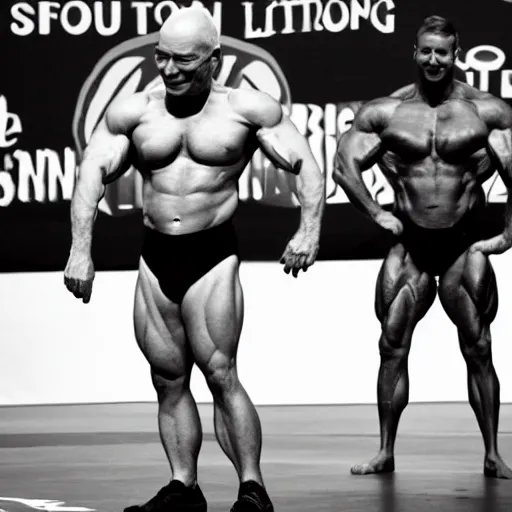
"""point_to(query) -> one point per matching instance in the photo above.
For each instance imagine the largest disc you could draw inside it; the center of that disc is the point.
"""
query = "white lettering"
(288, 17)
(388, 26)
(506, 83)
(478, 59)
(217, 16)
(46, 14)
(142, 16)
(359, 11)
(345, 120)
(317, 136)
(42, 178)
(20, 13)
(250, 32)
(10, 125)
(171, 6)
(330, 140)
(85, 18)
(327, 20)
(115, 18)
(7, 188)
(30, 175)
(335, 16)
(76, 17)
(48, 505)
(59, 180)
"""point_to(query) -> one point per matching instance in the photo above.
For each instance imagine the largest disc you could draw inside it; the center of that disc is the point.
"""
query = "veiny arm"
(497, 114)
(358, 150)
(289, 150)
(105, 159)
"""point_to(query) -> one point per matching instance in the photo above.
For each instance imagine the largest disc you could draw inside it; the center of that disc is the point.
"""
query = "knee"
(476, 348)
(220, 374)
(393, 347)
(393, 342)
(169, 387)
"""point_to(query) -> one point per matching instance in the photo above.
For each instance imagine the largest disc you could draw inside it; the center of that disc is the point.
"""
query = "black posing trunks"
(435, 250)
(178, 261)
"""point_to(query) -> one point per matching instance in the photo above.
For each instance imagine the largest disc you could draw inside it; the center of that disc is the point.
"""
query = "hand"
(300, 253)
(79, 275)
(495, 245)
(388, 221)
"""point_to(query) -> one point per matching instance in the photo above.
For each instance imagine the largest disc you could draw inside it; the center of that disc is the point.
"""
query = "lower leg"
(392, 397)
(237, 425)
(180, 427)
(484, 398)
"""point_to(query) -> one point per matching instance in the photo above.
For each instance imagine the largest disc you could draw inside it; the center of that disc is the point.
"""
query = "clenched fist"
(79, 275)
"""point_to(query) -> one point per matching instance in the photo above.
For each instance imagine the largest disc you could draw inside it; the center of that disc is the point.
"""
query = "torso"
(436, 158)
(190, 166)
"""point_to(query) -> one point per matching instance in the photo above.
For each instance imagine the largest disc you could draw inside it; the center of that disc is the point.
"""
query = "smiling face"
(435, 56)
(187, 52)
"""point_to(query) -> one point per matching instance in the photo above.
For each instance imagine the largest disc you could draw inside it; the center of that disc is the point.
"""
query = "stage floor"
(106, 457)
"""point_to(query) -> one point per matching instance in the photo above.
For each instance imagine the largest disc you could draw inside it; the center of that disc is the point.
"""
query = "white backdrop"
(311, 340)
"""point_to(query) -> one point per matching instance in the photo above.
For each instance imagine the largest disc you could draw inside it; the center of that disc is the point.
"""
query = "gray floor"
(105, 457)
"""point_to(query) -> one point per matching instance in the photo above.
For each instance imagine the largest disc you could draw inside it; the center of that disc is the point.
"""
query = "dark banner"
(64, 62)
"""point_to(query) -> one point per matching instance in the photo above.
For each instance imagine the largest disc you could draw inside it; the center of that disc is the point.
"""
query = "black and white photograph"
(256, 256)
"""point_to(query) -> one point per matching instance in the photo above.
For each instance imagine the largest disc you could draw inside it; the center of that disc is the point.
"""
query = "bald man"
(191, 141)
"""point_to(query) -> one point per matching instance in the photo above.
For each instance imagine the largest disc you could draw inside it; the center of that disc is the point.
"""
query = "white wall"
(306, 340)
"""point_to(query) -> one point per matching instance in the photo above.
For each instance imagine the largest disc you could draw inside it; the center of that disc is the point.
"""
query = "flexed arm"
(500, 146)
(358, 150)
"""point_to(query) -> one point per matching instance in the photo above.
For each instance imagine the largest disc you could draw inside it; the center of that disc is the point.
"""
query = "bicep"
(106, 151)
(360, 147)
(287, 133)
(287, 147)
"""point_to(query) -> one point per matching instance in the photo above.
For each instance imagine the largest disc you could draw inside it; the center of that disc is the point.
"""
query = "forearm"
(311, 196)
(349, 178)
(88, 192)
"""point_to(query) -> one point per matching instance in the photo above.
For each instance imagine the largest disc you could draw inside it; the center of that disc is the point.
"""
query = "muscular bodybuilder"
(436, 141)
(191, 141)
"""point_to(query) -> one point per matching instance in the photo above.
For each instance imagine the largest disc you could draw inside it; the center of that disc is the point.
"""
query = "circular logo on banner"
(129, 68)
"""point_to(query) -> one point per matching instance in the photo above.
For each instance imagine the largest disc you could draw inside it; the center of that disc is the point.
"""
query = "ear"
(414, 49)
(216, 58)
(217, 54)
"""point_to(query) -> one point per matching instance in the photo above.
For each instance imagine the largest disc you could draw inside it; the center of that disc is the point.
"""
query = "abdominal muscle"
(186, 197)
(436, 195)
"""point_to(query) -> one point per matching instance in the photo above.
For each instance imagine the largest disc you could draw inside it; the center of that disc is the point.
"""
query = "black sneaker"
(174, 497)
(252, 497)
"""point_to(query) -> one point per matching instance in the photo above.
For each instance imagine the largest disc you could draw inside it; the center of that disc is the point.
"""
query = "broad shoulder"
(494, 112)
(123, 114)
(256, 107)
(406, 92)
(374, 115)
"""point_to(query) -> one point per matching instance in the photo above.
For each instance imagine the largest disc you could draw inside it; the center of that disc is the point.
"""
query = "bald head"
(188, 52)
(191, 29)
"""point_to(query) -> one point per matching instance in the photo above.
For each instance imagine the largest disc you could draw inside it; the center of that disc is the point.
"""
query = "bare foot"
(382, 463)
(495, 467)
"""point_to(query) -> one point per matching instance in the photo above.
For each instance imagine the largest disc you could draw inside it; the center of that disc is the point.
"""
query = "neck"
(186, 106)
(435, 93)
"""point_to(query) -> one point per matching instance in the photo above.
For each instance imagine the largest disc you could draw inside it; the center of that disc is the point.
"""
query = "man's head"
(188, 51)
(436, 49)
